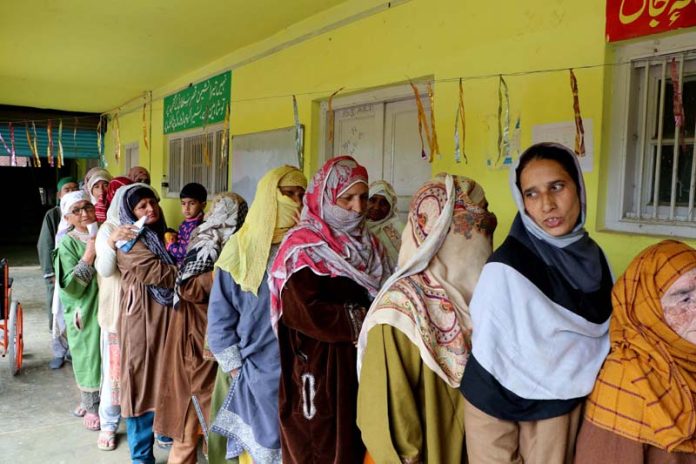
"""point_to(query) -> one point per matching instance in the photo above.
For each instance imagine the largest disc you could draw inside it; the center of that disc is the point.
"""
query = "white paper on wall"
(564, 133)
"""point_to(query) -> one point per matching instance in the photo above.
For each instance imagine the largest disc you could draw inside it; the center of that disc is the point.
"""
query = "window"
(132, 151)
(655, 164)
(189, 162)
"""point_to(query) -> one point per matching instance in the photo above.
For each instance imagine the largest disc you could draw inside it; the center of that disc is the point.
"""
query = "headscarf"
(388, 229)
(646, 390)
(225, 217)
(66, 203)
(245, 256)
(446, 242)
(330, 240)
(132, 173)
(95, 175)
(575, 255)
(151, 236)
(103, 203)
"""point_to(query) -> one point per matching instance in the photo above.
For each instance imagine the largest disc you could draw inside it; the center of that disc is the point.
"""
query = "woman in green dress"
(78, 291)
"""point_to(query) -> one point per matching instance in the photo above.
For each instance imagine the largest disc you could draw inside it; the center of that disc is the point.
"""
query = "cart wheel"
(15, 338)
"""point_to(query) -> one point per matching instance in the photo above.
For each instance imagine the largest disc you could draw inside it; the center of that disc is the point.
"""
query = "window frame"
(619, 188)
(215, 171)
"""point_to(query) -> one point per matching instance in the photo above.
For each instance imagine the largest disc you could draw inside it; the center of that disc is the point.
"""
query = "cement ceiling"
(84, 55)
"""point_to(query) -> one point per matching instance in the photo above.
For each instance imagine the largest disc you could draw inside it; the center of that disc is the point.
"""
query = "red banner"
(627, 19)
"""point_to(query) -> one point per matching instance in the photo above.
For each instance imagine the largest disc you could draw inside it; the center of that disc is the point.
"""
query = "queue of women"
(316, 327)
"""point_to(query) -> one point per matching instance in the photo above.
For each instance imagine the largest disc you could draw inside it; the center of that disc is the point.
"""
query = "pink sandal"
(91, 421)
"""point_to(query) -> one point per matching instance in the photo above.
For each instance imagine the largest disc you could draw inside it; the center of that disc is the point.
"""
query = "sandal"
(107, 440)
(79, 411)
(91, 421)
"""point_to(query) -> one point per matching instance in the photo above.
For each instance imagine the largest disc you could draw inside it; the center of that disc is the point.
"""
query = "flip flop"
(107, 440)
(91, 421)
(79, 411)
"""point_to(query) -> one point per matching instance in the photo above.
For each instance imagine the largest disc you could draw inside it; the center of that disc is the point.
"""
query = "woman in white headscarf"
(383, 218)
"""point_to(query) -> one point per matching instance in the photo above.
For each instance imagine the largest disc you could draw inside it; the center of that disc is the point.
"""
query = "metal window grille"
(660, 162)
(188, 161)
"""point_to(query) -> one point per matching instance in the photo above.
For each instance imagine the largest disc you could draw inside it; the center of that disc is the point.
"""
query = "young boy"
(193, 198)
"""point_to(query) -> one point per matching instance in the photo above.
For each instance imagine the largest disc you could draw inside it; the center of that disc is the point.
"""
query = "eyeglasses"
(88, 208)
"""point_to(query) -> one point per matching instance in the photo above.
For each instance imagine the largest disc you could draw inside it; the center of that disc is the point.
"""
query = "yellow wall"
(442, 39)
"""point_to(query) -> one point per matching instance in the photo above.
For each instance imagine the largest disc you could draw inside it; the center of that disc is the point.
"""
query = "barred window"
(197, 157)
(655, 162)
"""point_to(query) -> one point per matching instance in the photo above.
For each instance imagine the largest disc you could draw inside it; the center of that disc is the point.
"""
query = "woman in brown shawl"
(328, 269)
(189, 374)
(148, 274)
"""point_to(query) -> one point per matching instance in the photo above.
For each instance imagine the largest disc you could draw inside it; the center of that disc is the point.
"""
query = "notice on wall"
(627, 19)
(564, 133)
(198, 105)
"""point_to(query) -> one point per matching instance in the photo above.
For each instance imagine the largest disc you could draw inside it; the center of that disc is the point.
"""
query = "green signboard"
(198, 105)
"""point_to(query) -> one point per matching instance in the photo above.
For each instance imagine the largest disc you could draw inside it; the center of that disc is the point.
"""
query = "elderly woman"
(190, 374)
(78, 291)
(328, 269)
(239, 322)
(148, 274)
(383, 218)
(642, 408)
(416, 337)
(540, 315)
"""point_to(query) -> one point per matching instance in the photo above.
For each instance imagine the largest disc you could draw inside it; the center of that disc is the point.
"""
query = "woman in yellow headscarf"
(239, 325)
(642, 408)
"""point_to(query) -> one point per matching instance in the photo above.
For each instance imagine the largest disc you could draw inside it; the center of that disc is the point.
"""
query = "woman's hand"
(125, 232)
(90, 252)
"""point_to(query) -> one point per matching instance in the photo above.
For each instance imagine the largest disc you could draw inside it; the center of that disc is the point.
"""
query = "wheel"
(15, 339)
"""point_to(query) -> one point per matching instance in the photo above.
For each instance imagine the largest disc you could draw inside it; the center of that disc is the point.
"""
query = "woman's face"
(354, 199)
(295, 193)
(377, 208)
(81, 214)
(147, 207)
(550, 196)
(679, 305)
(99, 188)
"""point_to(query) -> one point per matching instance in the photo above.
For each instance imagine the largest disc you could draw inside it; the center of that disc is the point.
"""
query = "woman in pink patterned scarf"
(328, 269)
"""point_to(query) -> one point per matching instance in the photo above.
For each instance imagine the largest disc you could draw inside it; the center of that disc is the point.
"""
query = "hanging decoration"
(117, 139)
(423, 126)
(332, 116)
(298, 133)
(503, 120)
(36, 161)
(225, 136)
(460, 137)
(100, 144)
(145, 140)
(49, 143)
(677, 104)
(13, 156)
(61, 154)
(35, 144)
(74, 138)
(579, 128)
(7, 149)
(434, 146)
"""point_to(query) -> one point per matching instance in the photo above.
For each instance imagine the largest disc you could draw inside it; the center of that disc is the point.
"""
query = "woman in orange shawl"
(642, 408)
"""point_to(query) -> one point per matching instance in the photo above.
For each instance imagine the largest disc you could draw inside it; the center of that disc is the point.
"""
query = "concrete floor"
(36, 425)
